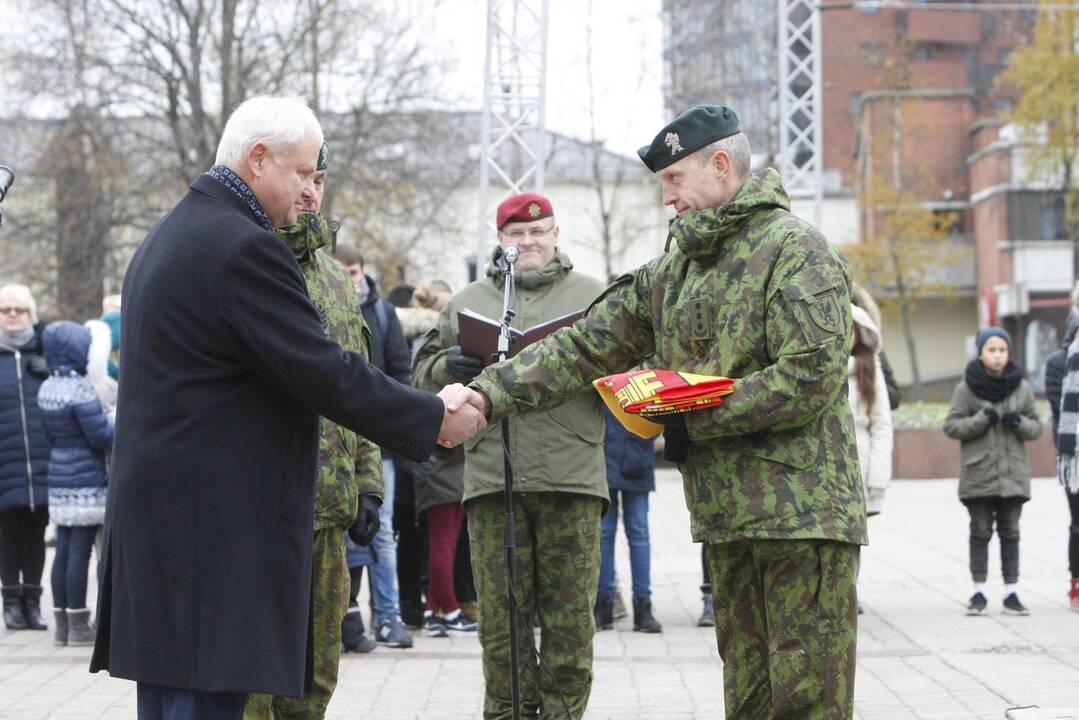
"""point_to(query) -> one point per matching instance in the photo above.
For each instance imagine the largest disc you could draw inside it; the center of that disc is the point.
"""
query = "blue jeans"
(384, 571)
(635, 521)
(69, 567)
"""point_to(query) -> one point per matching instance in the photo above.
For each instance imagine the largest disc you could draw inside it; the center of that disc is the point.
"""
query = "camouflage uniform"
(751, 292)
(349, 466)
(560, 490)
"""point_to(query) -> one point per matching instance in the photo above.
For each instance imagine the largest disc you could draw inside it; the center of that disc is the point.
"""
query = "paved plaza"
(918, 655)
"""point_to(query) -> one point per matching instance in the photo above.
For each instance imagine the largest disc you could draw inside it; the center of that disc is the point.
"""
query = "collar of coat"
(550, 273)
(309, 233)
(701, 234)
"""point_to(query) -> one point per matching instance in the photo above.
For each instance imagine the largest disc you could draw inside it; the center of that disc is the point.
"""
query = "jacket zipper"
(25, 431)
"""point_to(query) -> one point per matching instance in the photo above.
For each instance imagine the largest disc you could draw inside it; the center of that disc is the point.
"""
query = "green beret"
(697, 127)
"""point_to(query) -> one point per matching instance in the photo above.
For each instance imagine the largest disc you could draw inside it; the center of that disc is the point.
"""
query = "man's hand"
(1011, 420)
(365, 528)
(462, 419)
(461, 366)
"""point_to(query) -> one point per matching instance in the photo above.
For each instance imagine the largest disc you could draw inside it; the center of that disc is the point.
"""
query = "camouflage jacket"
(751, 292)
(349, 465)
(556, 451)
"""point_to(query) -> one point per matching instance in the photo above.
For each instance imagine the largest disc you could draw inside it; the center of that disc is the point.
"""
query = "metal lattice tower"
(801, 126)
(515, 85)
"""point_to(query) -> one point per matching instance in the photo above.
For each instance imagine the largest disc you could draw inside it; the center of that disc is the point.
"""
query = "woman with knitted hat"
(992, 415)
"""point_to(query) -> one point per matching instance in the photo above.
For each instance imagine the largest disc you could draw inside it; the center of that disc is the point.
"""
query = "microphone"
(510, 254)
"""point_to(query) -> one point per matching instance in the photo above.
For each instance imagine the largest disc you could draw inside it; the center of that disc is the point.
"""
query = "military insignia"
(534, 210)
(700, 319)
(824, 311)
(673, 143)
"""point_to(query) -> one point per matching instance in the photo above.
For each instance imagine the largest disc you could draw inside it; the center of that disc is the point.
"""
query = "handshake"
(464, 416)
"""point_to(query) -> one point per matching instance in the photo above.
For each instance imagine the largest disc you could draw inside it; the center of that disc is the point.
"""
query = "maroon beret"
(525, 207)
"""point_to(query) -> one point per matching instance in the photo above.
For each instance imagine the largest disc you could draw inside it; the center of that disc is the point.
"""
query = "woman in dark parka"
(24, 457)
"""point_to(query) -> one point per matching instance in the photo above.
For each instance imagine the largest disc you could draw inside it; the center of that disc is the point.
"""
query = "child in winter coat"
(992, 415)
(79, 432)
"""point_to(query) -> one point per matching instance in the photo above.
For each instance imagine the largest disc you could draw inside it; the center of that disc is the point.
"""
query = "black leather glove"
(992, 415)
(675, 437)
(461, 366)
(1011, 420)
(38, 366)
(365, 528)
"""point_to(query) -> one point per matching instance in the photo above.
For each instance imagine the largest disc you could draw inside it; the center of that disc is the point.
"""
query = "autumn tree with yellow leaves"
(1046, 75)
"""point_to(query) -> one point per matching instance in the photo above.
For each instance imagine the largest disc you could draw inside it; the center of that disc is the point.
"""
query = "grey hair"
(737, 148)
(277, 122)
(22, 295)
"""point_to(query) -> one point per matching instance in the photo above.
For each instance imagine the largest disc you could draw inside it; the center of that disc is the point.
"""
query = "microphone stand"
(505, 338)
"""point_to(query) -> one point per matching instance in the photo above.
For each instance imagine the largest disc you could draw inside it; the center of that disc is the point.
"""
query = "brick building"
(909, 98)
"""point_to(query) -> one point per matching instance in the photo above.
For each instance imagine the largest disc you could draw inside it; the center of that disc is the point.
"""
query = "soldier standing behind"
(771, 477)
(559, 481)
(349, 470)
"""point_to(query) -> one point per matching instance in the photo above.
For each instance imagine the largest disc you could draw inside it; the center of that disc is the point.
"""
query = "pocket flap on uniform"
(812, 282)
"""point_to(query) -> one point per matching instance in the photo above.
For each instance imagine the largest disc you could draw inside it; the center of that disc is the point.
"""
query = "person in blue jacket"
(630, 477)
(24, 457)
(79, 432)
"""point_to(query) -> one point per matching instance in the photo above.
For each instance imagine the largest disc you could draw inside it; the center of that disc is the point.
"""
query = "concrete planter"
(921, 453)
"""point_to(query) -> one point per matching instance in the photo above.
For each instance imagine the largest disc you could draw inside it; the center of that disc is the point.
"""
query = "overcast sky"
(627, 60)
(627, 64)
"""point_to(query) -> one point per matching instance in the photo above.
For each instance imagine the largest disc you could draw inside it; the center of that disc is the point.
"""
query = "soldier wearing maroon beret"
(560, 485)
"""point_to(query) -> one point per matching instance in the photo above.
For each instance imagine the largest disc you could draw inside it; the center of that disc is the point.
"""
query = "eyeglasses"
(14, 311)
(533, 232)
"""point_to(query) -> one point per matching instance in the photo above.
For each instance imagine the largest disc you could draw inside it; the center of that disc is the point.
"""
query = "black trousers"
(411, 557)
(1073, 536)
(156, 702)
(22, 545)
(984, 513)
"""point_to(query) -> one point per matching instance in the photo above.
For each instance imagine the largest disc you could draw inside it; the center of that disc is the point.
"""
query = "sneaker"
(362, 644)
(434, 625)
(1012, 606)
(1073, 594)
(457, 623)
(392, 633)
(977, 604)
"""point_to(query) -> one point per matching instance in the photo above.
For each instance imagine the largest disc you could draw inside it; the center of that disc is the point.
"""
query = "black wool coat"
(226, 371)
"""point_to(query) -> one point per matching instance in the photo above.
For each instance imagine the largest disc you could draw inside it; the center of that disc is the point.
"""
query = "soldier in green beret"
(748, 291)
(349, 489)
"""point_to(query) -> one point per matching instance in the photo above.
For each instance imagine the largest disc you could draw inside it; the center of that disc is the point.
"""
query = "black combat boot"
(604, 612)
(14, 618)
(31, 607)
(643, 620)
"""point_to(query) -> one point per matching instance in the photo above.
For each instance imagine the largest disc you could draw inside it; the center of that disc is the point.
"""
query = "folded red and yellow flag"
(635, 396)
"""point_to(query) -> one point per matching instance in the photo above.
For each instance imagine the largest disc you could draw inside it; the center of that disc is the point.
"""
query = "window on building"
(1036, 215)
(1041, 342)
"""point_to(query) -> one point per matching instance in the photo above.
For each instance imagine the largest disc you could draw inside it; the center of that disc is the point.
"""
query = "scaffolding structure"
(513, 135)
(801, 124)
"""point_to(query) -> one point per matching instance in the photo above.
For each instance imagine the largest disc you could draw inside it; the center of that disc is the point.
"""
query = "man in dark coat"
(207, 587)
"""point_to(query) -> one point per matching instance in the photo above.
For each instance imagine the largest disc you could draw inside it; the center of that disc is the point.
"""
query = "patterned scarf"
(236, 184)
(1067, 460)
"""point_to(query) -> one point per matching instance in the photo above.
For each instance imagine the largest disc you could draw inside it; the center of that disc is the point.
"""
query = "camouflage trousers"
(786, 625)
(557, 564)
(331, 585)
